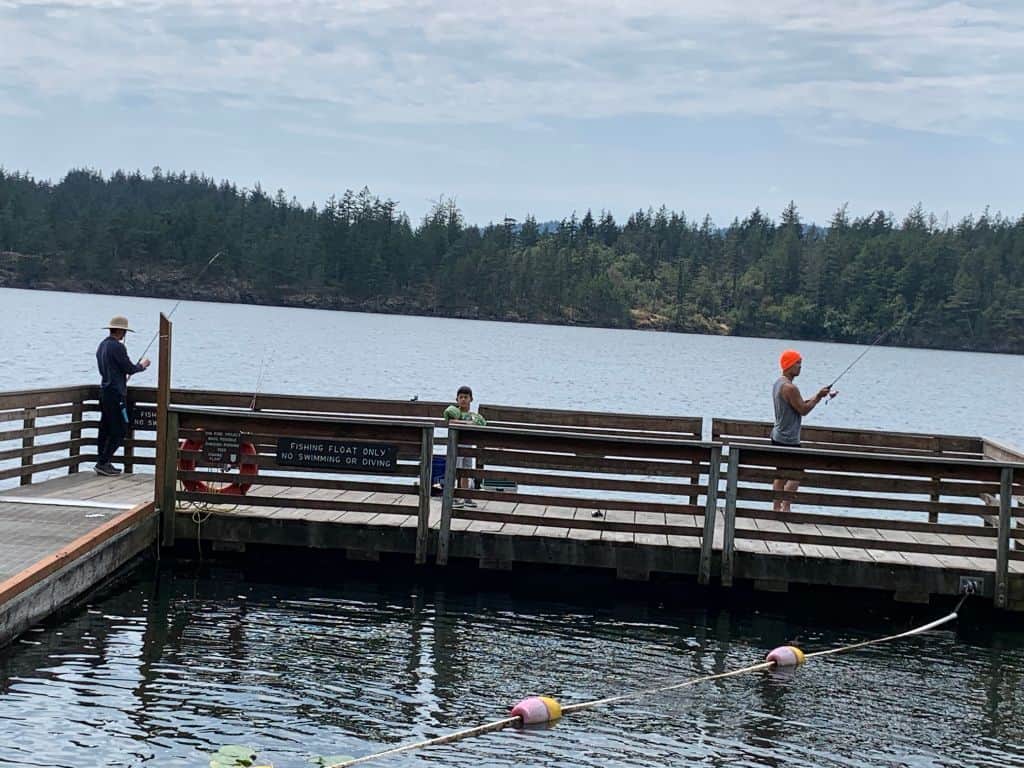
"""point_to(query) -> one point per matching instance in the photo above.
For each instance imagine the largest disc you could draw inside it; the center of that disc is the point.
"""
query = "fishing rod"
(264, 366)
(859, 357)
(175, 308)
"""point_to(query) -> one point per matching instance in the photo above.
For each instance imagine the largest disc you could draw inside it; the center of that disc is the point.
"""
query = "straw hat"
(119, 323)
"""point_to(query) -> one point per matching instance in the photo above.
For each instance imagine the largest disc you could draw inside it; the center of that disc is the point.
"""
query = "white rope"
(507, 722)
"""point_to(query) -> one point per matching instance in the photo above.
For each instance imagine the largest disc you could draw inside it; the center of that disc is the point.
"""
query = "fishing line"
(795, 657)
(175, 308)
(264, 367)
(870, 346)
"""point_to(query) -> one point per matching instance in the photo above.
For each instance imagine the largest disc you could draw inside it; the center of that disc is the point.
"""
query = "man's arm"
(125, 364)
(792, 396)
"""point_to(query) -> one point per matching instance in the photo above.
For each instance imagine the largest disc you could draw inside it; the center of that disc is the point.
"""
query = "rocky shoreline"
(168, 285)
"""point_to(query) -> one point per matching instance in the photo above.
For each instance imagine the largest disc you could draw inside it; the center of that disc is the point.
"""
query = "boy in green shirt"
(460, 412)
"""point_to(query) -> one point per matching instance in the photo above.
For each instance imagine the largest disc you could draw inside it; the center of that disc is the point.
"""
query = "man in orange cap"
(790, 408)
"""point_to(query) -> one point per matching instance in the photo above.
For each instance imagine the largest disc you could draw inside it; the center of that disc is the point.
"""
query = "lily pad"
(233, 756)
(322, 761)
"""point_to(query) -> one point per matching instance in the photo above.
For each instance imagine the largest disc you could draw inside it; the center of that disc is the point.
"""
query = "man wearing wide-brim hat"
(115, 368)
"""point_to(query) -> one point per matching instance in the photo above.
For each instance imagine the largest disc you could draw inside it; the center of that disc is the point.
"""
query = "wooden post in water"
(28, 442)
(444, 531)
(729, 533)
(423, 519)
(167, 499)
(710, 510)
(1003, 542)
(166, 438)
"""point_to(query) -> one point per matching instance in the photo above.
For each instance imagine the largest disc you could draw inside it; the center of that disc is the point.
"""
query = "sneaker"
(107, 469)
(470, 503)
(457, 502)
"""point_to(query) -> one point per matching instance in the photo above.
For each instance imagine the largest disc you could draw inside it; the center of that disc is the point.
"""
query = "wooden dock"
(908, 515)
(60, 538)
(641, 506)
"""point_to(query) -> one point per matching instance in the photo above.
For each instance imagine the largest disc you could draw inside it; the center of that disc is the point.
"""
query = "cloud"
(940, 67)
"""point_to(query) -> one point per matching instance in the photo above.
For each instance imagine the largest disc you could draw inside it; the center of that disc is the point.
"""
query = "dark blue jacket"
(115, 366)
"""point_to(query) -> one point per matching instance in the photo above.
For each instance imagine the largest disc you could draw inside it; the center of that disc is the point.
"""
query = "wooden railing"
(43, 431)
(407, 482)
(739, 432)
(680, 427)
(599, 423)
(644, 485)
(863, 441)
(882, 499)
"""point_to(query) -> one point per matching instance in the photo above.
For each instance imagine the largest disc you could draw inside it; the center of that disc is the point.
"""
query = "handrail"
(630, 438)
(271, 416)
(901, 458)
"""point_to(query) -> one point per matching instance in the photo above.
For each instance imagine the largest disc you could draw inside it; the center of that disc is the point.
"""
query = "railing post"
(77, 413)
(28, 442)
(1003, 542)
(695, 481)
(444, 531)
(163, 401)
(169, 480)
(935, 497)
(426, 471)
(710, 510)
(129, 449)
(729, 532)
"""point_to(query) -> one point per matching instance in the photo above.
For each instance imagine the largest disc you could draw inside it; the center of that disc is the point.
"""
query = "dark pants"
(113, 425)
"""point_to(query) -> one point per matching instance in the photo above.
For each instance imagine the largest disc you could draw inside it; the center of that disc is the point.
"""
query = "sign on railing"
(144, 418)
(340, 455)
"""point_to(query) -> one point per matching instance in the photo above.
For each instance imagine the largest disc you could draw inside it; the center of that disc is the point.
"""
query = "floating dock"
(909, 515)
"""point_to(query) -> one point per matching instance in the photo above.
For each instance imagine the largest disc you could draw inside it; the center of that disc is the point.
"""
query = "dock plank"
(619, 516)
(558, 515)
(651, 539)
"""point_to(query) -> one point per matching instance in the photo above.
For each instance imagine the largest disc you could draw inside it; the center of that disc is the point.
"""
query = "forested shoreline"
(959, 286)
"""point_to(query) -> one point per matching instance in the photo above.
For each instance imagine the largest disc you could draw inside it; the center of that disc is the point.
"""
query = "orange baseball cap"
(788, 359)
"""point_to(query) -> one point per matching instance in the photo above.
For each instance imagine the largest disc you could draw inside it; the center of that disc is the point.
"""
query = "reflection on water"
(165, 670)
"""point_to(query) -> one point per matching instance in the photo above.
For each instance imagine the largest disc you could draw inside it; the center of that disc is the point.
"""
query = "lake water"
(167, 667)
(165, 670)
(49, 339)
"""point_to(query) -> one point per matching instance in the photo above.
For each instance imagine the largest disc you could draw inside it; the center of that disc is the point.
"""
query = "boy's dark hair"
(464, 390)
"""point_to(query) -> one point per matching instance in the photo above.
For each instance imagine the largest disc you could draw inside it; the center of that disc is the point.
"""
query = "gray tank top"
(787, 420)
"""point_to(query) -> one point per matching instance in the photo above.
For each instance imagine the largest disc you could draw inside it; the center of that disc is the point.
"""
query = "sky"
(540, 108)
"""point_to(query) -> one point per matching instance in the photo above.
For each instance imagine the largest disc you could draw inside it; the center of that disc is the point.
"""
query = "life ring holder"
(251, 468)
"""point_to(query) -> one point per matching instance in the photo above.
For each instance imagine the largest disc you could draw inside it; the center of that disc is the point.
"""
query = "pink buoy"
(537, 709)
(786, 656)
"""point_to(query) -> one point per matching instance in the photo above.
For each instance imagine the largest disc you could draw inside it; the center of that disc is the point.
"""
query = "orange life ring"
(232, 489)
